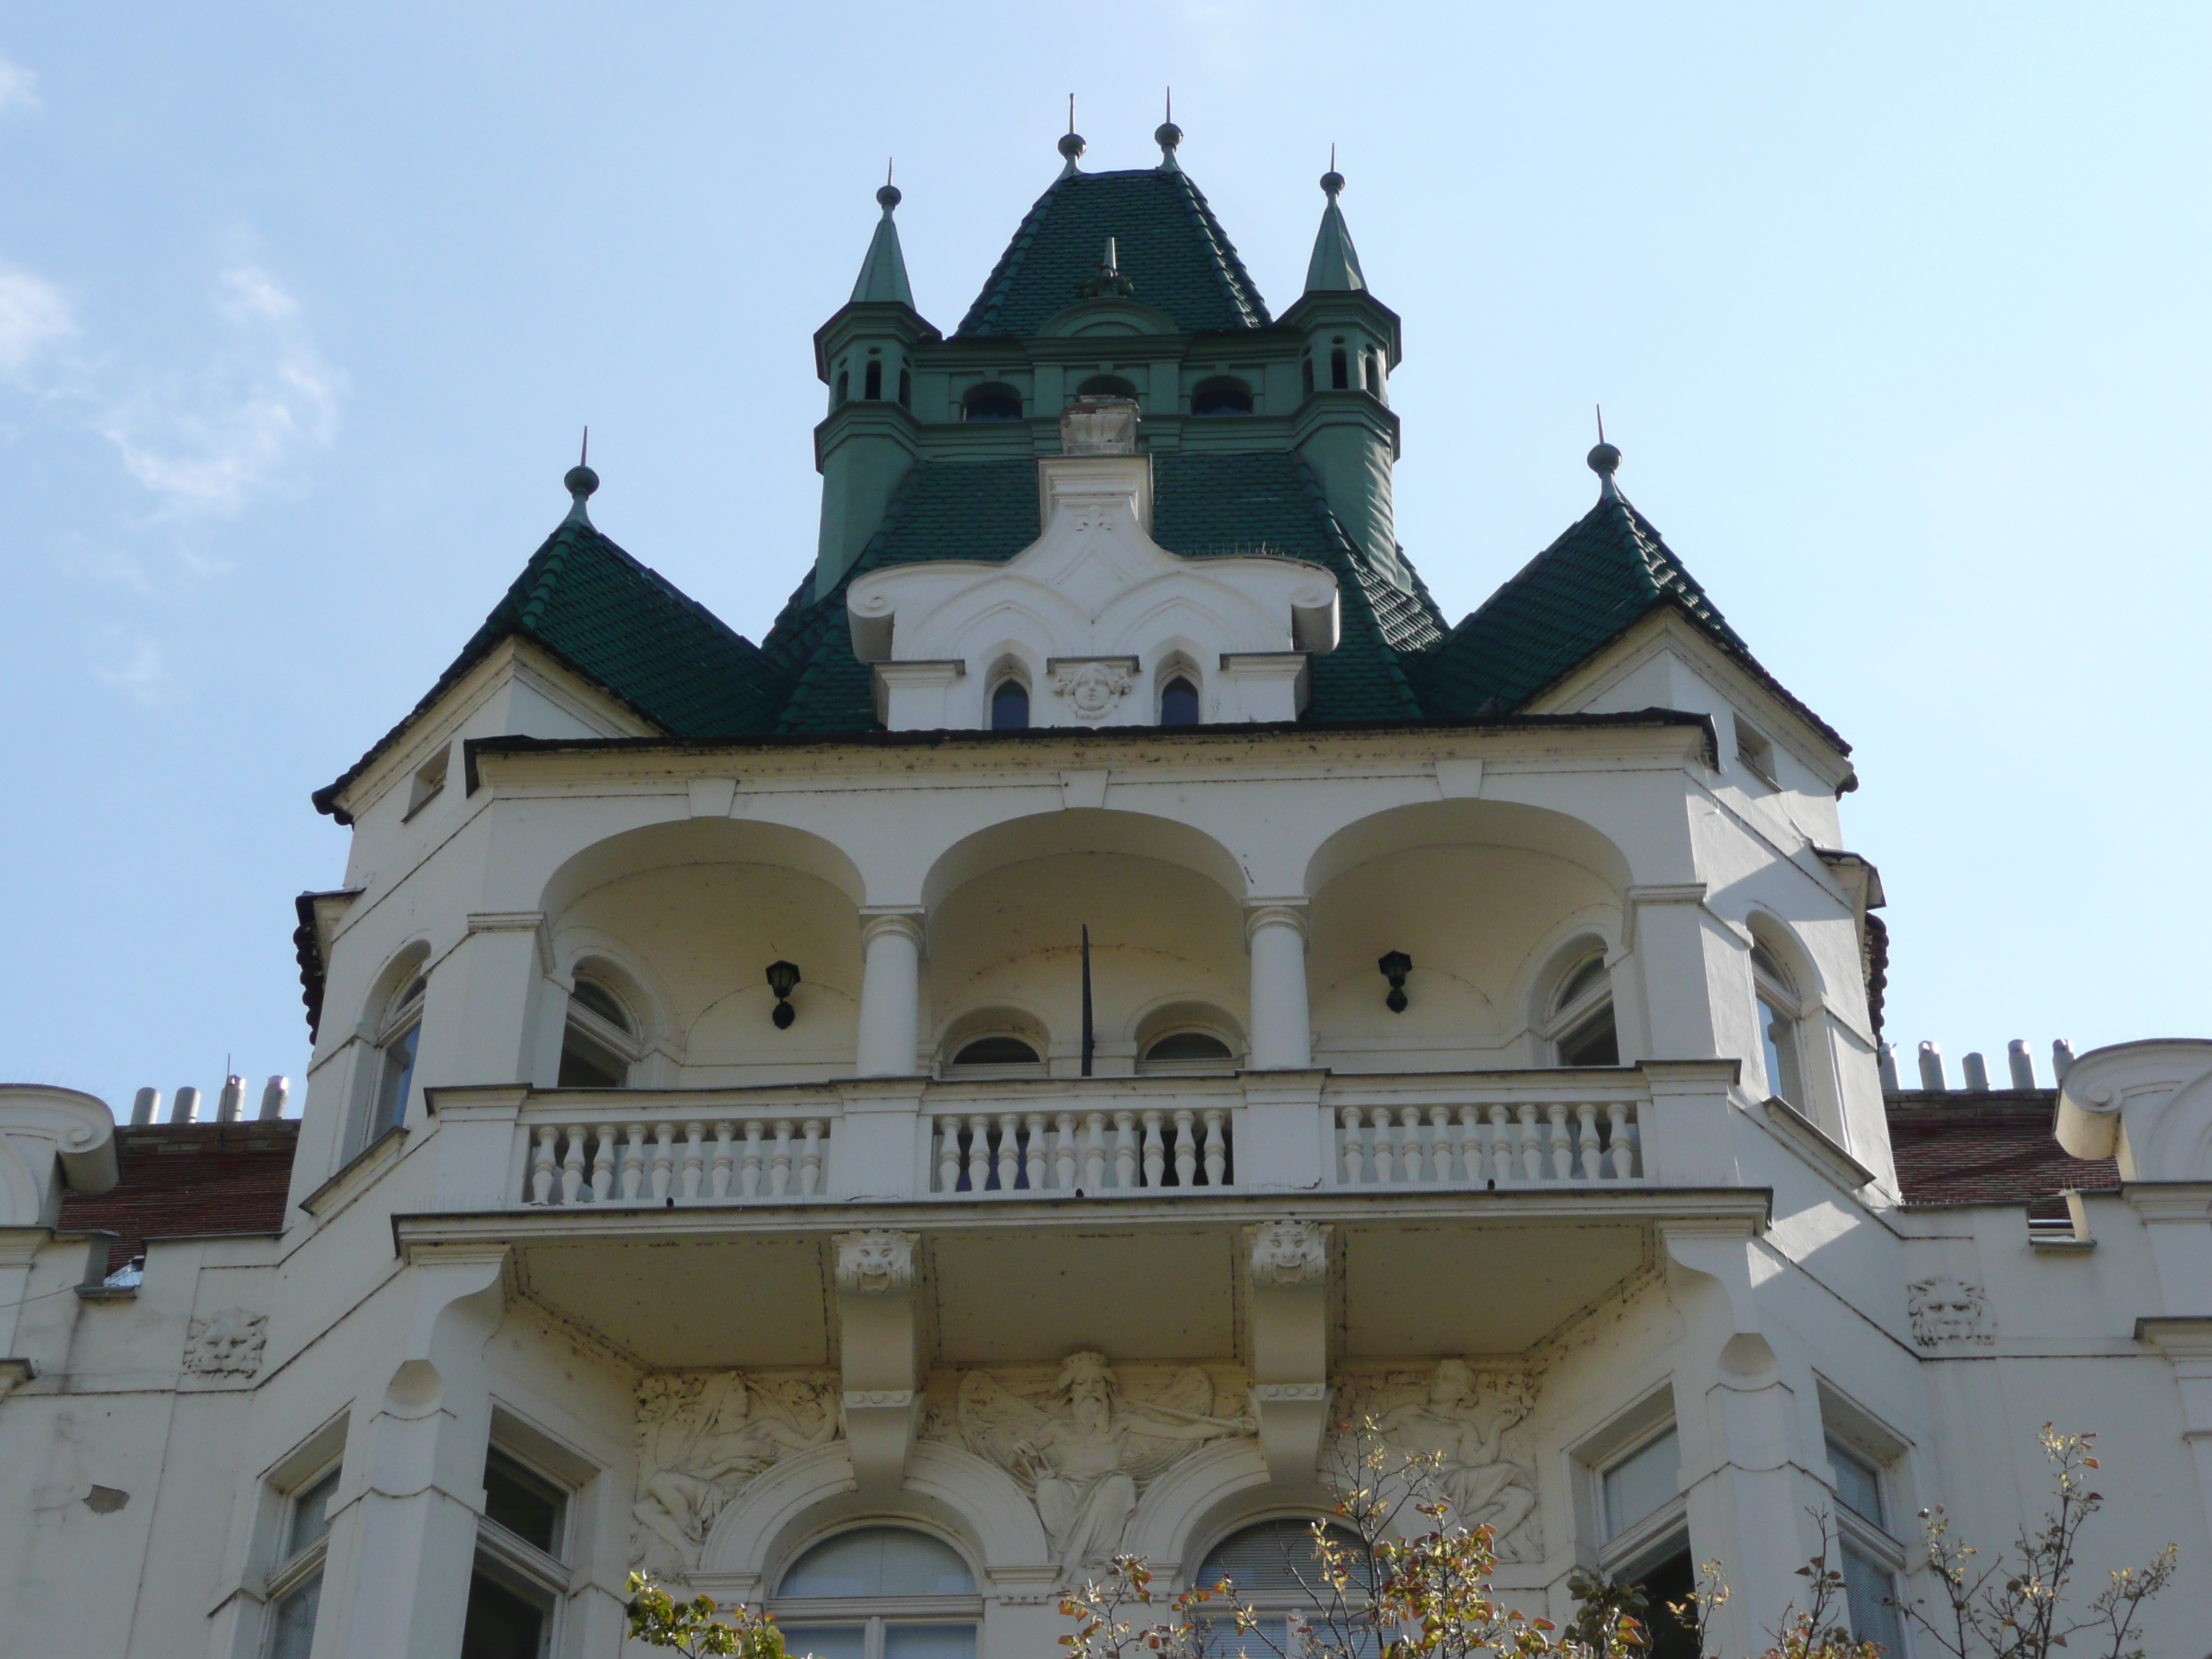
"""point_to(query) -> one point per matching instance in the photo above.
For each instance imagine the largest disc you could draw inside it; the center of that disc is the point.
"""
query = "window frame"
(1570, 1019)
(1019, 681)
(293, 1570)
(1179, 675)
(1269, 1602)
(1848, 1431)
(1224, 1065)
(1754, 753)
(627, 1046)
(1773, 987)
(403, 1017)
(873, 1613)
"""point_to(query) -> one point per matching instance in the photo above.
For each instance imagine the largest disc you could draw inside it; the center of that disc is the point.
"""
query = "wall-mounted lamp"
(1395, 967)
(783, 979)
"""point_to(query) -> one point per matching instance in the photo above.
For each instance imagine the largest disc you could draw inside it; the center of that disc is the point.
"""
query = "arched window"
(1107, 386)
(1221, 396)
(873, 384)
(1339, 370)
(398, 1035)
(999, 1050)
(1580, 1029)
(1375, 372)
(1305, 373)
(1010, 706)
(1776, 995)
(879, 1593)
(600, 1043)
(1278, 1568)
(1186, 1051)
(844, 389)
(992, 402)
(1179, 702)
(906, 388)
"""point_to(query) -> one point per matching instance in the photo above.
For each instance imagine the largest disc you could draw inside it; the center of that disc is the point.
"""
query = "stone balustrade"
(1486, 1143)
(709, 1158)
(1082, 1150)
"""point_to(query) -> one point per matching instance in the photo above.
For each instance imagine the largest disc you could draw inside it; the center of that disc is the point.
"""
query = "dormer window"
(1010, 706)
(1107, 386)
(992, 402)
(1178, 703)
(1221, 396)
(599, 1045)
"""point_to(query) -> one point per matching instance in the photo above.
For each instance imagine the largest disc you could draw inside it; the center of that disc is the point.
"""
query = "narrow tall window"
(599, 1044)
(844, 387)
(1581, 1030)
(1178, 703)
(1340, 371)
(1010, 707)
(295, 1587)
(1306, 373)
(1777, 998)
(396, 1043)
(1871, 1555)
(906, 388)
(879, 1593)
(1641, 1515)
(873, 383)
(1375, 372)
(520, 1576)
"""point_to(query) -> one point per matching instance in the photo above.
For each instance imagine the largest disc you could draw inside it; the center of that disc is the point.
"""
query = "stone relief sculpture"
(229, 1343)
(875, 1263)
(1469, 1424)
(1092, 688)
(1290, 1253)
(1084, 1449)
(1945, 1308)
(702, 1439)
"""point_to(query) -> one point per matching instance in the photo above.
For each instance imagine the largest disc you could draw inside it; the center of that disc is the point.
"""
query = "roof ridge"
(994, 295)
(1241, 288)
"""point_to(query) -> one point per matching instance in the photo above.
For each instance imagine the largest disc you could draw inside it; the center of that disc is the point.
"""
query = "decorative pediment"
(1094, 617)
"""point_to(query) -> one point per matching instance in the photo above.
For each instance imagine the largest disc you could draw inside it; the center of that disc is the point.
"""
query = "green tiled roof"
(1167, 242)
(1608, 570)
(1263, 502)
(624, 626)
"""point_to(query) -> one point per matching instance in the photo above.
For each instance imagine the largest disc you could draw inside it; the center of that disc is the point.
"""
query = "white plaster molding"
(1816, 1147)
(1091, 686)
(762, 1511)
(875, 1263)
(533, 922)
(1286, 1253)
(1183, 1500)
(899, 920)
(51, 1139)
(702, 1438)
(226, 1344)
(1469, 1423)
(1948, 1310)
(1293, 912)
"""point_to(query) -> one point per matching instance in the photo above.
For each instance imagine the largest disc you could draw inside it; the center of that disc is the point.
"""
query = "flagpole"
(1087, 1040)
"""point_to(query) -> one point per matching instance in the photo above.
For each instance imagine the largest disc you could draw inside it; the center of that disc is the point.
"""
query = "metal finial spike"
(1071, 112)
(1170, 114)
(1331, 158)
(584, 455)
(1600, 423)
(580, 481)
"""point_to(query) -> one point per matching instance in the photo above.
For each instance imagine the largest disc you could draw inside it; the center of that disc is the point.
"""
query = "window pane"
(1859, 1483)
(525, 1504)
(600, 1002)
(292, 1631)
(880, 1561)
(1670, 1582)
(1179, 703)
(309, 1522)
(1010, 707)
(1188, 1046)
(1588, 976)
(1642, 1483)
(1780, 1035)
(587, 1064)
(996, 1051)
(393, 1080)
(1225, 1640)
(1274, 1555)
(500, 1624)
(825, 1641)
(1868, 1587)
(1593, 1042)
(929, 1642)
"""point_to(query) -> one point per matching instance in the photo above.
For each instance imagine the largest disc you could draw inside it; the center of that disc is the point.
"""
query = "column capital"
(1288, 912)
(899, 920)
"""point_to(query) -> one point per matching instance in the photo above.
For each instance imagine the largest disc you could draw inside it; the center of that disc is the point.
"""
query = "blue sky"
(1897, 313)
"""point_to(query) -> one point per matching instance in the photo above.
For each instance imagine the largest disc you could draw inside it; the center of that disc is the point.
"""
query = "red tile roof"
(190, 1180)
(1994, 1148)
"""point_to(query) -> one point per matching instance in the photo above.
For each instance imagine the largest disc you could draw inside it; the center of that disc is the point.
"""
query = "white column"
(890, 991)
(1282, 1037)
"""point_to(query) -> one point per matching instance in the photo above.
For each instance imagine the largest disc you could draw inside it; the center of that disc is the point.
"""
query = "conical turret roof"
(883, 273)
(1335, 267)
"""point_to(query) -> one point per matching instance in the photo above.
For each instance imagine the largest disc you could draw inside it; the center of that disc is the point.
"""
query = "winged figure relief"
(702, 1439)
(1084, 1453)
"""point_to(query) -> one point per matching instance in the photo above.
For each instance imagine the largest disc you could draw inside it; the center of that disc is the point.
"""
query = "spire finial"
(1331, 182)
(888, 196)
(1604, 460)
(1072, 146)
(579, 482)
(1167, 136)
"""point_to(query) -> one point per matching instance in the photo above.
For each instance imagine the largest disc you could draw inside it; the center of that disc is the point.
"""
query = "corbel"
(1288, 1266)
(879, 1328)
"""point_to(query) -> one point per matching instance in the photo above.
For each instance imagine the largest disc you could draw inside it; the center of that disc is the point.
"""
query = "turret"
(1345, 429)
(868, 440)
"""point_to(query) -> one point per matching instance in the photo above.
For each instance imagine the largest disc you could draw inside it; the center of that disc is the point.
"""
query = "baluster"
(1125, 1150)
(1620, 1153)
(633, 1164)
(810, 1158)
(1423, 1163)
(1501, 1146)
(1355, 1149)
(1010, 1149)
(1532, 1154)
(1563, 1157)
(1386, 1148)
(750, 1170)
(979, 1153)
(948, 1154)
(779, 1160)
(603, 1165)
(1033, 1161)
(1186, 1148)
(1217, 1145)
(695, 1160)
(541, 1165)
(1156, 1149)
(1064, 1153)
(1472, 1167)
(723, 1167)
(1586, 1117)
(1444, 1146)
(1094, 1152)
(571, 1164)
(664, 1159)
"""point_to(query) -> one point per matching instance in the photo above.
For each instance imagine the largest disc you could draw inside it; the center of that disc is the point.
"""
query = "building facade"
(1113, 987)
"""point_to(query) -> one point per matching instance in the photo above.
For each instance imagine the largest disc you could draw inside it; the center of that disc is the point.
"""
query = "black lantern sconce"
(1395, 967)
(783, 979)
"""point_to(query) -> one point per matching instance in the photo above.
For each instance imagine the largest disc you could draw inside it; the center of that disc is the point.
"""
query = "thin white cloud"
(140, 671)
(34, 318)
(211, 442)
(19, 88)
